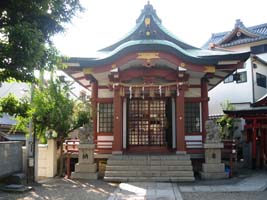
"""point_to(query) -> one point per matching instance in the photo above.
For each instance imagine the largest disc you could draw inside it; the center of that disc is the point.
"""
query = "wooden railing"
(101, 146)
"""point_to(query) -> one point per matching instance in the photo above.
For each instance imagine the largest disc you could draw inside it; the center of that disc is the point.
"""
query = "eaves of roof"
(196, 56)
(248, 111)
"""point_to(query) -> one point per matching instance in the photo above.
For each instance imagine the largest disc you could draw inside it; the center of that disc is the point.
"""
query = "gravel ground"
(225, 196)
(64, 189)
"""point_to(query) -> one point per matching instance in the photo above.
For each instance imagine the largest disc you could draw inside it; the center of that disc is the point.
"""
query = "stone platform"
(143, 168)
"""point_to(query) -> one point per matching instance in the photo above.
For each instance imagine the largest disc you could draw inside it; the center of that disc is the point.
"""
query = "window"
(82, 96)
(242, 77)
(259, 49)
(239, 77)
(261, 80)
(192, 117)
(229, 79)
(105, 114)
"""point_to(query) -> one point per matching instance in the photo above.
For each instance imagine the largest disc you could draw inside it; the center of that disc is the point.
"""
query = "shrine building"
(150, 90)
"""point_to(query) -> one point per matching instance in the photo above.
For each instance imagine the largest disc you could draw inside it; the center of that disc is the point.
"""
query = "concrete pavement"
(172, 191)
(146, 191)
(255, 183)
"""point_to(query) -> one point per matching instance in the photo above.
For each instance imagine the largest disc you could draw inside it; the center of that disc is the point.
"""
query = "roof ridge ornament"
(239, 23)
(148, 10)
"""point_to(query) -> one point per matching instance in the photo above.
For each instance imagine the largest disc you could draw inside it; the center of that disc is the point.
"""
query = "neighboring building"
(6, 122)
(248, 83)
(150, 90)
(255, 132)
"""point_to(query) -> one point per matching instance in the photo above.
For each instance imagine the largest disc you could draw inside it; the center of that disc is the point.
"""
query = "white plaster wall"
(42, 160)
(193, 92)
(239, 92)
(194, 81)
(105, 93)
(47, 159)
(260, 91)
(233, 92)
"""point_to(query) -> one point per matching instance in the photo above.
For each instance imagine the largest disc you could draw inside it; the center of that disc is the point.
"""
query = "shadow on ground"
(64, 189)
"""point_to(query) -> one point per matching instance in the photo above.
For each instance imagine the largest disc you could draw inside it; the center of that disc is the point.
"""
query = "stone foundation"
(86, 168)
(213, 168)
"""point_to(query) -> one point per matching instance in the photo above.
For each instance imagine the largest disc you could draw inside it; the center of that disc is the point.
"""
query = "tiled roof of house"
(240, 34)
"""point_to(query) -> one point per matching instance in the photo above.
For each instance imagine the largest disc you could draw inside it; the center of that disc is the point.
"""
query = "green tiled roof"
(150, 35)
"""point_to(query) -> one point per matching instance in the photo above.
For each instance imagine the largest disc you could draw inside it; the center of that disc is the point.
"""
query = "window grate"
(105, 114)
(192, 117)
(146, 122)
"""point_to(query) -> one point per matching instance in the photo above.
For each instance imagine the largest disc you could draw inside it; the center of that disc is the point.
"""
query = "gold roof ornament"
(147, 21)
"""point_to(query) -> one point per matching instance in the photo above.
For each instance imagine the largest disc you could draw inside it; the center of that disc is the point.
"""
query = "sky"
(106, 21)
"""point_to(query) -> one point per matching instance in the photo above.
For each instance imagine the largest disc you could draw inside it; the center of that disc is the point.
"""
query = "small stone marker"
(213, 168)
(86, 167)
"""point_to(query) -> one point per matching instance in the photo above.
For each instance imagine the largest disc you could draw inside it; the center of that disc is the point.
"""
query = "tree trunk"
(61, 163)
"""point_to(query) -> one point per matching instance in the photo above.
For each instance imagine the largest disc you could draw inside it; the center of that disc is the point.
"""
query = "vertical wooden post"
(117, 121)
(261, 147)
(254, 147)
(68, 165)
(180, 126)
(263, 140)
(204, 105)
(94, 107)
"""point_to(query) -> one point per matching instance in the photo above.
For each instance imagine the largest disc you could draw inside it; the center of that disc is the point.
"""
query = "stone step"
(149, 162)
(149, 167)
(150, 157)
(149, 179)
(149, 173)
(163, 168)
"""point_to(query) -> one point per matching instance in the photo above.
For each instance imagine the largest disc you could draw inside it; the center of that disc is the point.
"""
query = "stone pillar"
(213, 168)
(86, 167)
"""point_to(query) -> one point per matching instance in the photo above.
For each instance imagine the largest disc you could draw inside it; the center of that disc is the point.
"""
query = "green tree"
(51, 110)
(226, 123)
(26, 28)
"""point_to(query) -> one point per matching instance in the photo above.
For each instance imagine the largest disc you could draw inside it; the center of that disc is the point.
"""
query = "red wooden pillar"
(263, 140)
(180, 126)
(117, 121)
(261, 137)
(204, 105)
(94, 106)
(254, 145)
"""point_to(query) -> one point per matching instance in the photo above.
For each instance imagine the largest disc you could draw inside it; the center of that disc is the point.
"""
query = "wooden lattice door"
(147, 122)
